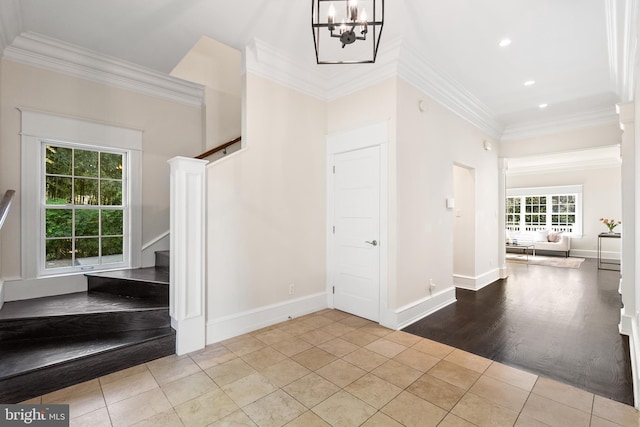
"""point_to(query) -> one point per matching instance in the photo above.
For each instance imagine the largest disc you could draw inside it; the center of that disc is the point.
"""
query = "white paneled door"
(356, 242)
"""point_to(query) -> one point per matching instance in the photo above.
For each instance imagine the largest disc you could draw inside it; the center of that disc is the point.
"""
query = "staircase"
(54, 342)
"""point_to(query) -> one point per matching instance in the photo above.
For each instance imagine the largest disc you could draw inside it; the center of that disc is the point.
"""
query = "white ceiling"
(564, 45)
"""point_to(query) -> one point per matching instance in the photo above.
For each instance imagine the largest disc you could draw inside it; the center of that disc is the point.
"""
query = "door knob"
(374, 243)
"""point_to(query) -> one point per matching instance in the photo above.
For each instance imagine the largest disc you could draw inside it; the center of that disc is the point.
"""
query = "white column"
(187, 265)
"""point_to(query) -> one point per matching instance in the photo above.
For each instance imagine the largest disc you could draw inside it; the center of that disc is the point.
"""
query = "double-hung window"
(81, 196)
(545, 208)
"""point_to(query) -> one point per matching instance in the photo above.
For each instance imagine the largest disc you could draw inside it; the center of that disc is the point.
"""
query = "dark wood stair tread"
(146, 274)
(75, 303)
(20, 357)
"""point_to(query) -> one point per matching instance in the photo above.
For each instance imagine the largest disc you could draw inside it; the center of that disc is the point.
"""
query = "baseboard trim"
(247, 321)
(411, 313)
(478, 282)
(587, 253)
(629, 326)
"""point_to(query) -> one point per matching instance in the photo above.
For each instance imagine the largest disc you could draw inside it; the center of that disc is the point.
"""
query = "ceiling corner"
(11, 23)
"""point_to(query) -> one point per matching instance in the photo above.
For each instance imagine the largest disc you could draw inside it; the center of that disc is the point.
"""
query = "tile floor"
(332, 369)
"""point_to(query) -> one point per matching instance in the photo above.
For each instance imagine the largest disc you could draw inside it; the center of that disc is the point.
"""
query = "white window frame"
(549, 192)
(38, 128)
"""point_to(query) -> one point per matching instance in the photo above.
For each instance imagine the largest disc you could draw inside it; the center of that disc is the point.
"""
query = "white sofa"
(543, 240)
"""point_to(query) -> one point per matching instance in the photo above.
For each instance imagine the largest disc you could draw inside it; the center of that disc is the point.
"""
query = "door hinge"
(334, 169)
(334, 229)
(334, 289)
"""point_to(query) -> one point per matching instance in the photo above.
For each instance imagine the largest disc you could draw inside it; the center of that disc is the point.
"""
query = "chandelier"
(343, 33)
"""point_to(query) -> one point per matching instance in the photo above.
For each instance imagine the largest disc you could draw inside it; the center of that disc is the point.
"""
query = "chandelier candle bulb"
(331, 17)
(363, 22)
(352, 10)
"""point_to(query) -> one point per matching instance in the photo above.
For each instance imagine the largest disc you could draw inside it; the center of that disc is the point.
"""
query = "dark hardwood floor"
(561, 323)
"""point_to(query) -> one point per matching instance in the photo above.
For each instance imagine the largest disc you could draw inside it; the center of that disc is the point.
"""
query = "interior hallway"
(561, 323)
(332, 369)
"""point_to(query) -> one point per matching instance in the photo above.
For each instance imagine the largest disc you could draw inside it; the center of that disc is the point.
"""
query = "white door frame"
(351, 140)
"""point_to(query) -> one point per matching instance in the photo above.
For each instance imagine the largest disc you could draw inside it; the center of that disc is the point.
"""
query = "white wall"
(170, 129)
(266, 214)
(602, 197)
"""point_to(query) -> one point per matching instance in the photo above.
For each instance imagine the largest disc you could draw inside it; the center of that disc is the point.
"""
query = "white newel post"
(187, 268)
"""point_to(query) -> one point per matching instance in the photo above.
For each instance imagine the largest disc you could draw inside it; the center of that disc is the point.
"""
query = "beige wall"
(429, 143)
(266, 205)
(170, 129)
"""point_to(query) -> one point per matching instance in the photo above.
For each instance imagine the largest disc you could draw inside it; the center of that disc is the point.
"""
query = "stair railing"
(5, 204)
(219, 148)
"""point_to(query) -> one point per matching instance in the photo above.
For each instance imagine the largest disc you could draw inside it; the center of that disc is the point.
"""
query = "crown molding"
(622, 35)
(267, 61)
(592, 158)
(10, 22)
(448, 92)
(47, 53)
(565, 123)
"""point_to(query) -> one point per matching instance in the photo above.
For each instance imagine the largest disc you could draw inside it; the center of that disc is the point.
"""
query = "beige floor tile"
(337, 315)
(417, 360)
(318, 321)
(553, 413)
(454, 421)
(138, 408)
(468, 360)
(386, 348)
(359, 337)
(163, 419)
(235, 419)
(249, 389)
(273, 336)
(410, 410)
(454, 374)
(617, 412)
(285, 372)
(338, 347)
(275, 410)
(404, 338)
(247, 344)
(296, 328)
(436, 391)
(433, 348)
(206, 409)
(341, 373)
(344, 410)
(373, 390)
(172, 358)
(365, 359)
(82, 398)
(527, 421)
(357, 322)
(316, 337)
(127, 387)
(134, 370)
(314, 358)
(263, 358)
(212, 355)
(188, 388)
(375, 329)
(311, 389)
(503, 394)
(482, 412)
(381, 420)
(397, 373)
(513, 376)
(601, 422)
(564, 393)
(308, 419)
(337, 329)
(292, 346)
(230, 371)
(98, 418)
(173, 370)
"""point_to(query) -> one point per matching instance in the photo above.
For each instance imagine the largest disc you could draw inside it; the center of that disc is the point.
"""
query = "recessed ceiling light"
(529, 82)
(504, 42)
(543, 106)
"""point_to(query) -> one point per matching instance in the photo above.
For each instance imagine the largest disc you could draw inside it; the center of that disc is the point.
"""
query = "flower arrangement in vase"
(610, 223)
